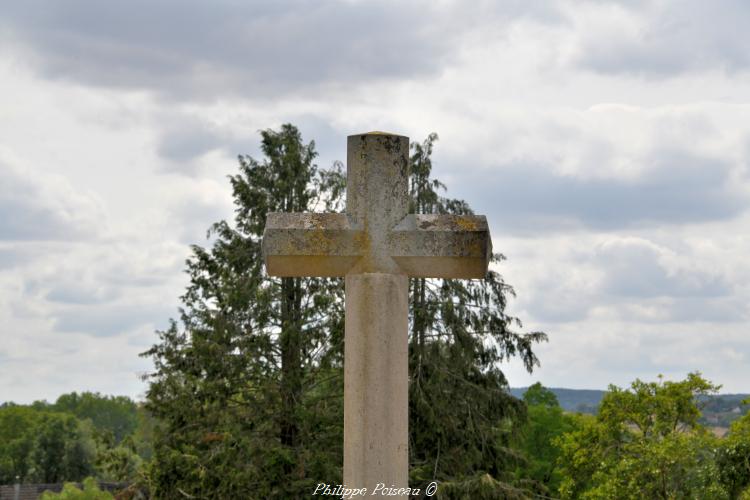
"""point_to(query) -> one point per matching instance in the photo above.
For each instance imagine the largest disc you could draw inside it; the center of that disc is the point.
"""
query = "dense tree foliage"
(61, 449)
(73, 438)
(90, 491)
(733, 458)
(646, 442)
(43, 446)
(115, 414)
(18, 426)
(248, 384)
(546, 422)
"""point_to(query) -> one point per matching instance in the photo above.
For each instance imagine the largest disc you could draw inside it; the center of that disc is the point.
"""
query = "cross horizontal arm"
(310, 244)
(441, 246)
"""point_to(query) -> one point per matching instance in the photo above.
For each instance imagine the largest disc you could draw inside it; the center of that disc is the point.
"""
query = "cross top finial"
(377, 192)
(379, 132)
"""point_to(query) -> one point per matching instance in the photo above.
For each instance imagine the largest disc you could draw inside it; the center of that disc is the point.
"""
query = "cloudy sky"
(607, 142)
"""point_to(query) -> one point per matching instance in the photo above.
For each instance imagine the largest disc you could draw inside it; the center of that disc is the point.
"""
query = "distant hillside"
(575, 400)
(723, 409)
(718, 411)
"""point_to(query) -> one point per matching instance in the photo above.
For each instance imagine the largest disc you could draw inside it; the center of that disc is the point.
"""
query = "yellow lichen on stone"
(318, 241)
(466, 223)
(362, 242)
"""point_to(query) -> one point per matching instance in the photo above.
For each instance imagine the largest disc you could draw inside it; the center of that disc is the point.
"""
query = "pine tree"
(247, 386)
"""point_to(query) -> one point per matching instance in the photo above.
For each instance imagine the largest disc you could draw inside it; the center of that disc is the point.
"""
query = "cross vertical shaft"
(376, 374)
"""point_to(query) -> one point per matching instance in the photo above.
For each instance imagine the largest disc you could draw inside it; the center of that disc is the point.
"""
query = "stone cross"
(377, 246)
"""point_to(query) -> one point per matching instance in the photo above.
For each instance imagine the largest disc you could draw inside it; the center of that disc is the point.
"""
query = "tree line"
(646, 441)
(77, 436)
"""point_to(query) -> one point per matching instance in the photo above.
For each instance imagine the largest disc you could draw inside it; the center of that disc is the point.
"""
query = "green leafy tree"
(17, 432)
(546, 422)
(646, 442)
(63, 450)
(117, 414)
(733, 458)
(49, 443)
(247, 385)
(538, 395)
(90, 491)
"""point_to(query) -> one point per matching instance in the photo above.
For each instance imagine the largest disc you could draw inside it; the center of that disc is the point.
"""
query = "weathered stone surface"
(377, 246)
(423, 245)
(442, 246)
(377, 194)
(311, 244)
(376, 380)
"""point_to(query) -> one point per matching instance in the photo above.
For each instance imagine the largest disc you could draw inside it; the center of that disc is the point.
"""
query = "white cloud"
(662, 39)
(34, 207)
(187, 50)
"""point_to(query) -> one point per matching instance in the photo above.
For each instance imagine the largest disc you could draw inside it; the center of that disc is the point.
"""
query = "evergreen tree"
(462, 418)
(248, 384)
